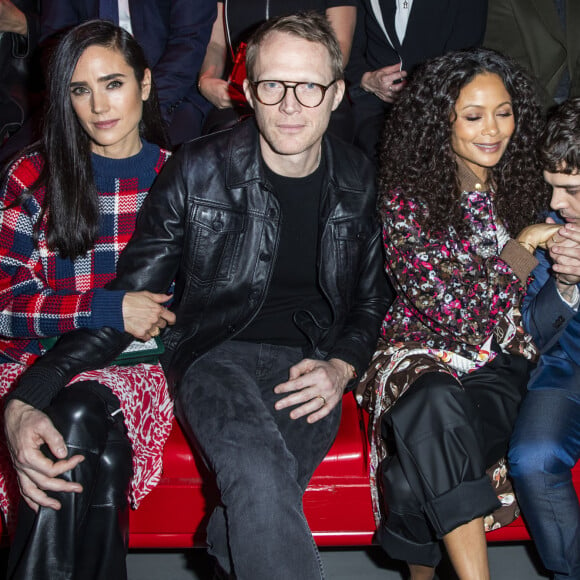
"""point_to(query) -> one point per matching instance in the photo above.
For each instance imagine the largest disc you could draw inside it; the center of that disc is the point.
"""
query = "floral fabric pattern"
(455, 295)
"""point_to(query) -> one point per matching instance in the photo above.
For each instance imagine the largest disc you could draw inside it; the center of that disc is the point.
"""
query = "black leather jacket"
(211, 223)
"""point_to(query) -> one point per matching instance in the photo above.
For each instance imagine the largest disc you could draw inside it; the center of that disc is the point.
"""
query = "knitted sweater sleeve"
(31, 305)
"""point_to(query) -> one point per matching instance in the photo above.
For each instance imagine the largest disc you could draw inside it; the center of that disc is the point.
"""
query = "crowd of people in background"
(193, 46)
(459, 121)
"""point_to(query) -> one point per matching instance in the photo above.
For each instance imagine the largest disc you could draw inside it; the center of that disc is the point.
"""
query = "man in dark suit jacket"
(542, 35)
(174, 35)
(379, 60)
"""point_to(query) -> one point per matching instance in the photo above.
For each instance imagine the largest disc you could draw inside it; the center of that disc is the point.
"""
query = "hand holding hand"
(144, 314)
(386, 83)
(537, 235)
(27, 429)
(316, 386)
(564, 247)
(216, 91)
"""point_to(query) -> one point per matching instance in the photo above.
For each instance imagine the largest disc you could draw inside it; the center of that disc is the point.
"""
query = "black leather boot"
(87, 538)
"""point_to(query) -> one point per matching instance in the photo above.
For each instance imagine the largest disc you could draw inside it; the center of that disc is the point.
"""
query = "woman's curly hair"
(416, 154)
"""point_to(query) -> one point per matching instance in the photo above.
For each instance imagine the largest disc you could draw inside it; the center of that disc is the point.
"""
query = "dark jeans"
(545, 447)
(442, 435)
(262, 459)
(87, 538)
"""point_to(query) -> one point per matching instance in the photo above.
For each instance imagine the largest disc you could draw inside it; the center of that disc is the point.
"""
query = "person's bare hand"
(27, 429)
(144, 314)
(216, 91)
(316, 386)
(386, 83)
(12, 19)
(538, 235)
(564, 249)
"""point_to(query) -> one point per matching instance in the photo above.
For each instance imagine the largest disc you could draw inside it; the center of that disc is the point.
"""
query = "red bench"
(337, 502)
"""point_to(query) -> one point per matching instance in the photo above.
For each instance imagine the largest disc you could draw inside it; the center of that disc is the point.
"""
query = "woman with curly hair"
(459, 178)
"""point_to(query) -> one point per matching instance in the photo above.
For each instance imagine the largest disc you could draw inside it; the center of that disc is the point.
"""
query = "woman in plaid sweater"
(69, 206)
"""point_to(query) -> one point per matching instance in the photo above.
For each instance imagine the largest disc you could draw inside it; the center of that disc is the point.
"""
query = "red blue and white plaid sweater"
(43, 295)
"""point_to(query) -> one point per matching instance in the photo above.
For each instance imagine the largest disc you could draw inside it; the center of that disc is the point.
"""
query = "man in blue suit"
(545, 444)
(174, 35)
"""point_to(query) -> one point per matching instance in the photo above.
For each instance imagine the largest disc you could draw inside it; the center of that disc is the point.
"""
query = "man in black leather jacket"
(270, 234)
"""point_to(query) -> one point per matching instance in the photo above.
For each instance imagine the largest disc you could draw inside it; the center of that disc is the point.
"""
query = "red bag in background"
(236, 80)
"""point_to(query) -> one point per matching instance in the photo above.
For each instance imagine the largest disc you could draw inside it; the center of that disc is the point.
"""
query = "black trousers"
(442, 435)
(87, 538)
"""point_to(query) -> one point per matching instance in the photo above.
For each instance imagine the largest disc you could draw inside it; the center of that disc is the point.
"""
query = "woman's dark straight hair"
(70, 202)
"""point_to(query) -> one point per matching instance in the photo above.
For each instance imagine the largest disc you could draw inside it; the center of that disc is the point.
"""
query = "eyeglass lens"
(273, 92)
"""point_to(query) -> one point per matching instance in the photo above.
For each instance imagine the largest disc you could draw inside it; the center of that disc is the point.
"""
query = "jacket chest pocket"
(351, 239)
(216, 240)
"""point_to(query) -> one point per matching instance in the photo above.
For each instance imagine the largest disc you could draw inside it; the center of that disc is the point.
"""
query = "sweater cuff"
(107, 309)
(519, 260)
(36, 387)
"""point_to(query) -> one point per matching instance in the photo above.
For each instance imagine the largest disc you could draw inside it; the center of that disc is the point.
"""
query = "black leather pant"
(87, 538)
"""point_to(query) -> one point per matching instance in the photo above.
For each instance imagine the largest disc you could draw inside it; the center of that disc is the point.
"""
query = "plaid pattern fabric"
(43, 295)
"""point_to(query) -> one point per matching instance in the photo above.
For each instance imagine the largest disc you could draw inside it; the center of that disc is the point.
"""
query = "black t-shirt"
(294, 283)
(243, 16)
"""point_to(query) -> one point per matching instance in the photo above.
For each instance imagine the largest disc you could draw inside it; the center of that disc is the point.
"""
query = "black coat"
(20, 78)
(434, 28)
(211, 223)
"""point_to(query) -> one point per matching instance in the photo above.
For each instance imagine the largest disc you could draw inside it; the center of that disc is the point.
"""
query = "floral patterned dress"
(454, 296)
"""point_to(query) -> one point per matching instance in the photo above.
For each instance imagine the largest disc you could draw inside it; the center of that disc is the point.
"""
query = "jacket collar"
(467, 180)
(548, 14)
(244, 160)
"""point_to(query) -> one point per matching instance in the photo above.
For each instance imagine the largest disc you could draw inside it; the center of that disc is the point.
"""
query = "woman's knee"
(82, 416)
(436, 433)
(435, 402)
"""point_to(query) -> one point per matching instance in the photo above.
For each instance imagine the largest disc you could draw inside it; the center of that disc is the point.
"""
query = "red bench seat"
(337, 502)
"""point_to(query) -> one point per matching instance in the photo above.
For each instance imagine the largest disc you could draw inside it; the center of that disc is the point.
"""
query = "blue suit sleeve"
(176, 72)
(545, 314)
